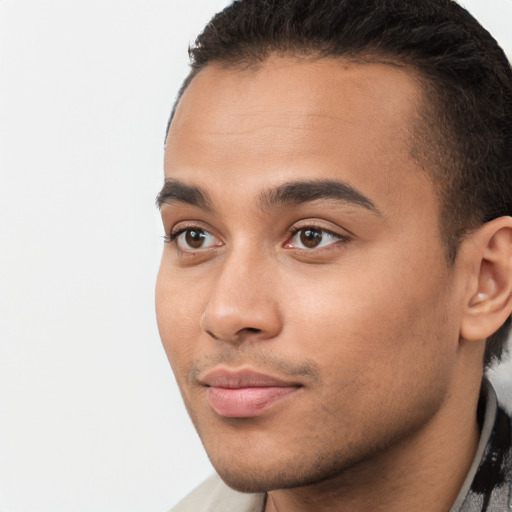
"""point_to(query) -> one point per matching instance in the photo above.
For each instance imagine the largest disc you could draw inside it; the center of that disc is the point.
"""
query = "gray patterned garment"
(488, 486)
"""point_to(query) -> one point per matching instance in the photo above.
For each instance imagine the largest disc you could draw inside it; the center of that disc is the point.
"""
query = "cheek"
(178, 310)
(376, 316)
(383, 353)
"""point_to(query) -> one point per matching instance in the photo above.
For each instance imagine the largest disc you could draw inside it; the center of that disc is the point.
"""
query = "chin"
(304, 463)
(269, 474)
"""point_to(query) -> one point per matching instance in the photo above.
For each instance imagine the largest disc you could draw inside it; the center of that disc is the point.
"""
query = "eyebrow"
(298, 192)
(288, 194)
(176, 191)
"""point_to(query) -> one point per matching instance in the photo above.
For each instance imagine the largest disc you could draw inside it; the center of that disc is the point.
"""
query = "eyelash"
(174, 235)
(311, 226)
(293, 231)
(170, 238)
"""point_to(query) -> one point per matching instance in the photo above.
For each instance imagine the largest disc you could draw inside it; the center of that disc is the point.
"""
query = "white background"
(90, 418)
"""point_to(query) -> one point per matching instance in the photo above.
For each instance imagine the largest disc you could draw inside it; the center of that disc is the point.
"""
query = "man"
(338, 273)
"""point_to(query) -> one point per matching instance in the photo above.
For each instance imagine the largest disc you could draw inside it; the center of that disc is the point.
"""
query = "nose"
(243, 303)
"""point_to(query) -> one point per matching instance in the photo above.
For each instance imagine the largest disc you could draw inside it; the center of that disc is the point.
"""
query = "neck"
(422, 472)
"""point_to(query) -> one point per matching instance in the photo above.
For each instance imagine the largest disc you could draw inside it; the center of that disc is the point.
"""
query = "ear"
(489, 297)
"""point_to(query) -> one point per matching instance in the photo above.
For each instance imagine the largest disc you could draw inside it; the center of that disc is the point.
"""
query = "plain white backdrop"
(90, 417)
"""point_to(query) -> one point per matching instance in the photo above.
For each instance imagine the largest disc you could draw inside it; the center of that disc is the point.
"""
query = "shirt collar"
(488, 398)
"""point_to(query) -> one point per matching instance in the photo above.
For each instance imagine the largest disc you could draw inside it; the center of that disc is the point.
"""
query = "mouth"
(244, 393)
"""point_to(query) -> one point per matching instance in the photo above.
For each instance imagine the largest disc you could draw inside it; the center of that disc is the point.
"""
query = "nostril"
(237, 336)
(211, 334)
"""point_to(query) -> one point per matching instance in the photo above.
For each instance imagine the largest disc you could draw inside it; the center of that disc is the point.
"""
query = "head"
(337, 205)
(464, 133)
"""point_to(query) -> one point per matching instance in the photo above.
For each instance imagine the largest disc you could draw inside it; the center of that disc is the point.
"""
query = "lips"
(244, 394)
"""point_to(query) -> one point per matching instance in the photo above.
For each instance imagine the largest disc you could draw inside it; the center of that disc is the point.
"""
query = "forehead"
(291, 117)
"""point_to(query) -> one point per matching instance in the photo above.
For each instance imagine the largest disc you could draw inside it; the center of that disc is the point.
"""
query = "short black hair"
(463, 136)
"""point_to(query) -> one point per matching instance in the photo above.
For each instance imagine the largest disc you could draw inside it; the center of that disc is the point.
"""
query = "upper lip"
(242, 378)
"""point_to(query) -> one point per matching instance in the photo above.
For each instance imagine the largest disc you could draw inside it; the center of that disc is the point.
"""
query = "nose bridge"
(241, 302)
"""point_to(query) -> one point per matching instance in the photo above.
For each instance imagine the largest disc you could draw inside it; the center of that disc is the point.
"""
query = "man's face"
(304, 300)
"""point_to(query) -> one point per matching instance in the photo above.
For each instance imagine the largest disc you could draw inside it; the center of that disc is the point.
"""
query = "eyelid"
(320, 225)
(293, 231)
(180, 228)
(339, 235)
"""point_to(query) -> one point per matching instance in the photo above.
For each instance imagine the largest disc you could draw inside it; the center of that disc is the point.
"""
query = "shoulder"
(213, 495)
(492, 485)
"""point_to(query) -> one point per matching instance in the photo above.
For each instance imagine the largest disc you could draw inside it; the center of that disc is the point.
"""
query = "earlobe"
(490, 295)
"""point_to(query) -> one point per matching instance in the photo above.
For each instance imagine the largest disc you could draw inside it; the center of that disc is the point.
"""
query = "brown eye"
(195, 238)
(313, 238)
(310, 238)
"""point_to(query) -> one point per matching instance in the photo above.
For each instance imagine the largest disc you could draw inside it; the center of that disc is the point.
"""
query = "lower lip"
(245, 402)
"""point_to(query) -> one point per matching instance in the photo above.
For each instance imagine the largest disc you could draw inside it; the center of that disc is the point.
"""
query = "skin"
(367, 325)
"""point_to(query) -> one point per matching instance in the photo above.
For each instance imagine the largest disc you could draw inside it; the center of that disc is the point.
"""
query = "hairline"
(421, 134)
